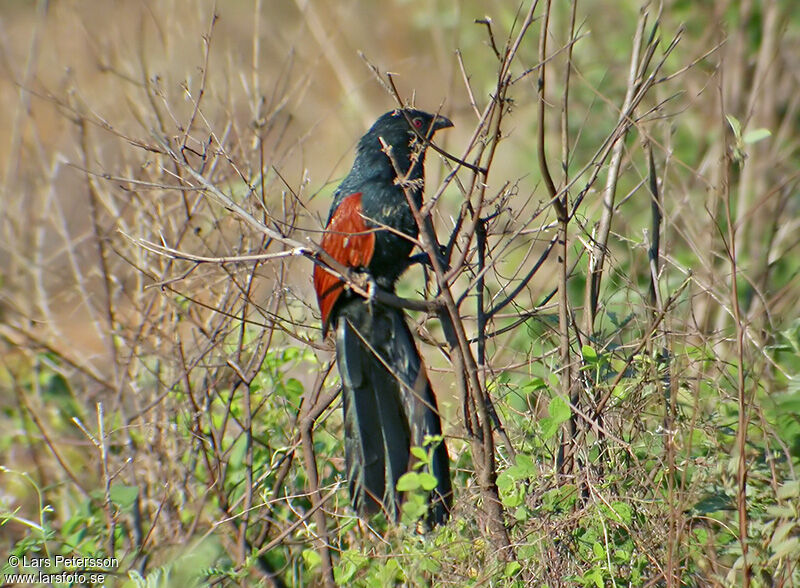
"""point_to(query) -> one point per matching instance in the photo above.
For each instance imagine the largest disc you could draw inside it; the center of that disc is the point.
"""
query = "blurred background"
(123, 370)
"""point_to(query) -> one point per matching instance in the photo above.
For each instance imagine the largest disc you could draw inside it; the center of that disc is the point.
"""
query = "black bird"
(389, 405)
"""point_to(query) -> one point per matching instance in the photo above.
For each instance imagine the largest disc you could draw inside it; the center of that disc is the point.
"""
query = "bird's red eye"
(417, 122)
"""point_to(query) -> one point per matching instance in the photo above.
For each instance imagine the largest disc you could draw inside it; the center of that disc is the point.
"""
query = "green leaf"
(736, 126)
(344, 572)
(420, 454)
(756, 135)
(622, 556)
(589, 354)
(512, 500)
(789, 490)
(784, 548)
(559, 410)
(294, 388)
(623, 512)
(596, 576)
(526, 466)
(351, 562)
(236, 455)
(549, 427)
(781, 512)
(408, 482)
(522, 514)
(390, 573)
(427, 481)
(432, 441)
(527, 552)
(713, 503)
(512, 568)
(413, 509)
(123, 496)
(534, 384)
(780, 534)
(72, 525)
(311, 558)
(504, 481)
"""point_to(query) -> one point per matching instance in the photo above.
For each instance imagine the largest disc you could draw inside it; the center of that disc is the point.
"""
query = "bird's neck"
(404, 161)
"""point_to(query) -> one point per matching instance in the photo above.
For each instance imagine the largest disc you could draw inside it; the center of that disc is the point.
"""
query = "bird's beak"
(441, 122)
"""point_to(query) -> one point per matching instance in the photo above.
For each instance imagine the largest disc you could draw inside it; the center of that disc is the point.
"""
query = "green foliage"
(194, 566)
(741, 140)
(416, 484)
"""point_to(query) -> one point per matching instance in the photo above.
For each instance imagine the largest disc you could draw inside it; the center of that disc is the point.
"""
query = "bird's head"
(398, 128)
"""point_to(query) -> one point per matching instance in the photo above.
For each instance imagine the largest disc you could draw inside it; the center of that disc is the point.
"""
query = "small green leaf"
(736, 126)
(408, 482)
(512, 500)
(589, 354)
(420, 454)
(427, 481)
(526, 466)
(504, 481)
(344, 572)
(789, 490)
(136, 578)
(598, 550)
(237, 452)
(596, 576)
(311, 558)
(549, 427)
(390, 573)
(528, 552)
(713, 503)
(756, 135)
(781, 532)
(781, 512)
(522, 514)
(622, 556)
(413, 509)
(559, 410)
(432, 440)
(74, 523)
(123, 496)
(784, 548)
(512, 568)
(294, 388)
(623, 512)
(534, 384)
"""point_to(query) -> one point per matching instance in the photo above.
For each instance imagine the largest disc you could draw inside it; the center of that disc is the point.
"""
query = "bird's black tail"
(389, 407)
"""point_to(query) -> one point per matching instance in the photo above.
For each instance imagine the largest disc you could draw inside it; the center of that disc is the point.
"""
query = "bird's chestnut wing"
(349, 241)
